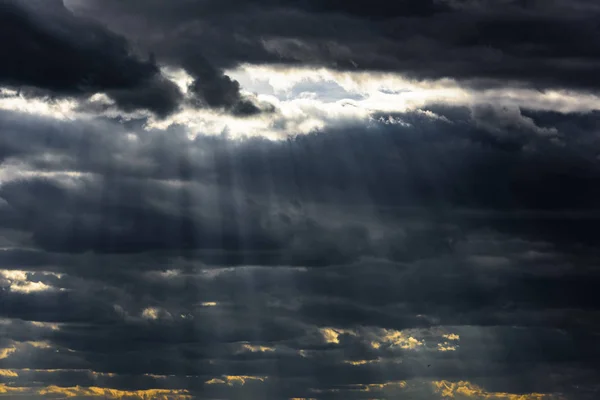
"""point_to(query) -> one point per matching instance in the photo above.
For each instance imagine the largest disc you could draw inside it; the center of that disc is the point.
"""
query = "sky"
(300, 199)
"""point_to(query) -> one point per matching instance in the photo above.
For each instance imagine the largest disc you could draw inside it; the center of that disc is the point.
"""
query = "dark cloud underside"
(444, 252)
(479, 42)
(64, 55)
(50, 49)
(424, 230)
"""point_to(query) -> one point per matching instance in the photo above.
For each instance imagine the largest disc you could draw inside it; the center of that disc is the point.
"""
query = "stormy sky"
(300, 199)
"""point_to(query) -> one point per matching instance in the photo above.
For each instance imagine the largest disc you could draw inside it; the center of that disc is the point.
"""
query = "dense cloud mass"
(50, 49)
(294, 199)
(482, 42)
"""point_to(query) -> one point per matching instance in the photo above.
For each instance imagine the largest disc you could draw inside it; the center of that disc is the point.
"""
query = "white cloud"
(154, 313)
(309, 100)
(393, 92)
(20, 282)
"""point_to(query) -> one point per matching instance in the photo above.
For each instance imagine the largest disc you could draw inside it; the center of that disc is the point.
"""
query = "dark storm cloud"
(377, 9)
(258, 306)
(214, 89)
(480, 42)
(413, 226)
(452, 244)
(64, 55)
(53, 50)
(210, 193)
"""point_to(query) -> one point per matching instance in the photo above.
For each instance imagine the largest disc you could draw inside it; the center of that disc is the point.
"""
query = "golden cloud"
(232, 380)
(256, 348)
(98, 392)
(451, 336)
(446, 347)
(332, 335)
(362, 362)
(397, 339)
(466, 390)
(5, 352)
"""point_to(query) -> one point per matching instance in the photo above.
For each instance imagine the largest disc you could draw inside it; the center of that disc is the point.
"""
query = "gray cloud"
(78, 57)
(436, 253)
(81, 57)
(204, 258)
(478, 42)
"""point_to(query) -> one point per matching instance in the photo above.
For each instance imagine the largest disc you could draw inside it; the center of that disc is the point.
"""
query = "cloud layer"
(481, 42)
(190, 208)
(395, 258)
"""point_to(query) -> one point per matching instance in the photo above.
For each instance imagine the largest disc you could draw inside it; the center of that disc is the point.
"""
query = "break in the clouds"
(299, 199)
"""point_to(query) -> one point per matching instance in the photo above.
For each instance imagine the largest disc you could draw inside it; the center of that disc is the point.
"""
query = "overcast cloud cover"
(300, 199)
